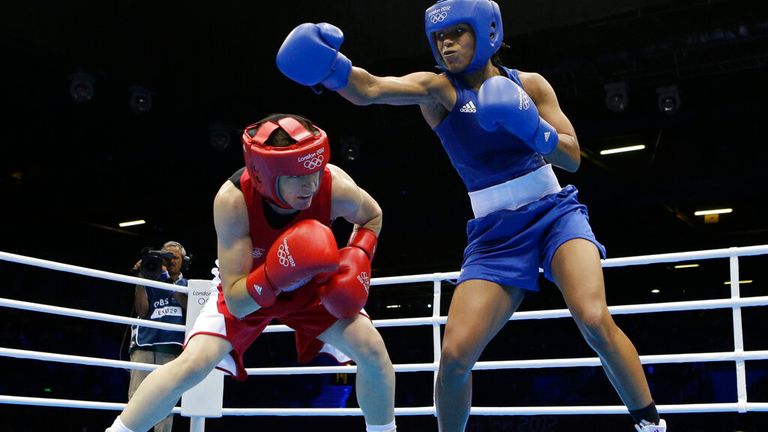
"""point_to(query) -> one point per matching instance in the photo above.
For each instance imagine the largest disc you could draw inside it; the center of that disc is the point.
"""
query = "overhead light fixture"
(81, 87)
(684, 266)
(713, 212)
(655, 291)
(141, 100)
(393, 306)
(616, 97)
(741, 282)
(668, 99)
(622, 149)
(132, 223)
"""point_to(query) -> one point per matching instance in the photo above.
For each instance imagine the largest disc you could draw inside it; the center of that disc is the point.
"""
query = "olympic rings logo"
(526, 101)
(440, 17)
(314, 162)
(283, 256)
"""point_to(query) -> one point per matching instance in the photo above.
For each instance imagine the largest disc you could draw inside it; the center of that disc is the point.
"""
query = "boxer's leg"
(479, 309)
(577, 271)
(375, 382)
(160, 391)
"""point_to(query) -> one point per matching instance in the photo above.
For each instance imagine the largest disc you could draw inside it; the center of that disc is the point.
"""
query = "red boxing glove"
(346, 292)
(296, 256)
(365, 239)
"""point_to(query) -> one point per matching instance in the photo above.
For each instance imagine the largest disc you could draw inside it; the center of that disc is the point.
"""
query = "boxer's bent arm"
(230, 217)
(567, 154)
(352, 203)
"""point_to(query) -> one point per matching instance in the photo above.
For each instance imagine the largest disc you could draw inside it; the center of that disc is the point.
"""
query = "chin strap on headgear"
(483, 16)
(266, 163)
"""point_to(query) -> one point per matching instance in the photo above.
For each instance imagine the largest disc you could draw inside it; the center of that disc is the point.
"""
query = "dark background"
(69, 172)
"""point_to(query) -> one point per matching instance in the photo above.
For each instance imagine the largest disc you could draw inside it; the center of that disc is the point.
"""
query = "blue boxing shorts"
(508, 246)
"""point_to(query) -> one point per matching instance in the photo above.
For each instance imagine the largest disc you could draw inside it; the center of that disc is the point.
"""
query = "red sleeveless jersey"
(263, 235)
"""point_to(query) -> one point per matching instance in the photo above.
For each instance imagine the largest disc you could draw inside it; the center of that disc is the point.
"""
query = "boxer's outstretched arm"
(311, 56)
(364, 88)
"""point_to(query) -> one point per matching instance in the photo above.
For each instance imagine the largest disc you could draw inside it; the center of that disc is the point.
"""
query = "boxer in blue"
(502, 129)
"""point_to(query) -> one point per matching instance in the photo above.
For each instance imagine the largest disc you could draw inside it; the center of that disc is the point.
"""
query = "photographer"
(150, 345)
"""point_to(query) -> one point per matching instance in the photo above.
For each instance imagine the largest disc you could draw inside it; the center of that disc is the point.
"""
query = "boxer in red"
(278, 259)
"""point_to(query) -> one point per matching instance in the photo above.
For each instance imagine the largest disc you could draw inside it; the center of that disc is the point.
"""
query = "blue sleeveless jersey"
(482, 158)
(163, 307)
(507, 247)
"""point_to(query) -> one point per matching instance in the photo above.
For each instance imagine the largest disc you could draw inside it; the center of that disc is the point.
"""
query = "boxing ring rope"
(735, 302)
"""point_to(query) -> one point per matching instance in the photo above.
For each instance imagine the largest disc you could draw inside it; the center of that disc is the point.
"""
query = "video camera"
(152, 263)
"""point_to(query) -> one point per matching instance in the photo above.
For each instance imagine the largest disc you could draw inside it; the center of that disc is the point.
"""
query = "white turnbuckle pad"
(207, 397)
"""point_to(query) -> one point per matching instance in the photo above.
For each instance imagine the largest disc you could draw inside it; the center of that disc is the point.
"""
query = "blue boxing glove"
(501, 102)
(310, 55)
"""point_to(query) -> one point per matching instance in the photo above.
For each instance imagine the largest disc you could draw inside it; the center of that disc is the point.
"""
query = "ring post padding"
(206, 399)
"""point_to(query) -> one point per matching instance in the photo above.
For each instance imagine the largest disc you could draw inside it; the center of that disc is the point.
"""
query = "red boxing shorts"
(300, 310)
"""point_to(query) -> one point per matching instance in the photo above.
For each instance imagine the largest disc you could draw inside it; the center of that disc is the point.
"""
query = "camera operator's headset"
(186, 263)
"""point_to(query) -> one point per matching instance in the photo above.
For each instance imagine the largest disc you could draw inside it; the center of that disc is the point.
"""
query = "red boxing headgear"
(266, 163)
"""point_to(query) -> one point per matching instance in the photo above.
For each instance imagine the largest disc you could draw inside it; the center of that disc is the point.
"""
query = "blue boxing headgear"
(482, 15)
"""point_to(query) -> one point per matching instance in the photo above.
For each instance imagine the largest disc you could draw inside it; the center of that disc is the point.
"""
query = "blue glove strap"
(545, 140)
(339, 76)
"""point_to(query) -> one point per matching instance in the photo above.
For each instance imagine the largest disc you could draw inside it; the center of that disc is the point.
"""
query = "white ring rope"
(73, 359)
(405, 367)
(735, 302)
(97, 316)
(85, 271)
(560, 410)
(403, 322)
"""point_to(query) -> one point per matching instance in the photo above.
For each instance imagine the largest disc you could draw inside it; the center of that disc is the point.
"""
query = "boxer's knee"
(373, 352)
(202, 354)
(597, 326)
(455, 362)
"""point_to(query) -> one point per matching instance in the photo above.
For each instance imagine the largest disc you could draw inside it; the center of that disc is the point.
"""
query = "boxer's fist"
(503, 103)
(310, 55)
(296, 256)
(346, 292)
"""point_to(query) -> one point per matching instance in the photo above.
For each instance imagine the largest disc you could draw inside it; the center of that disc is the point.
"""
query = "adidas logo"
(546, 136)
(468, 107)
